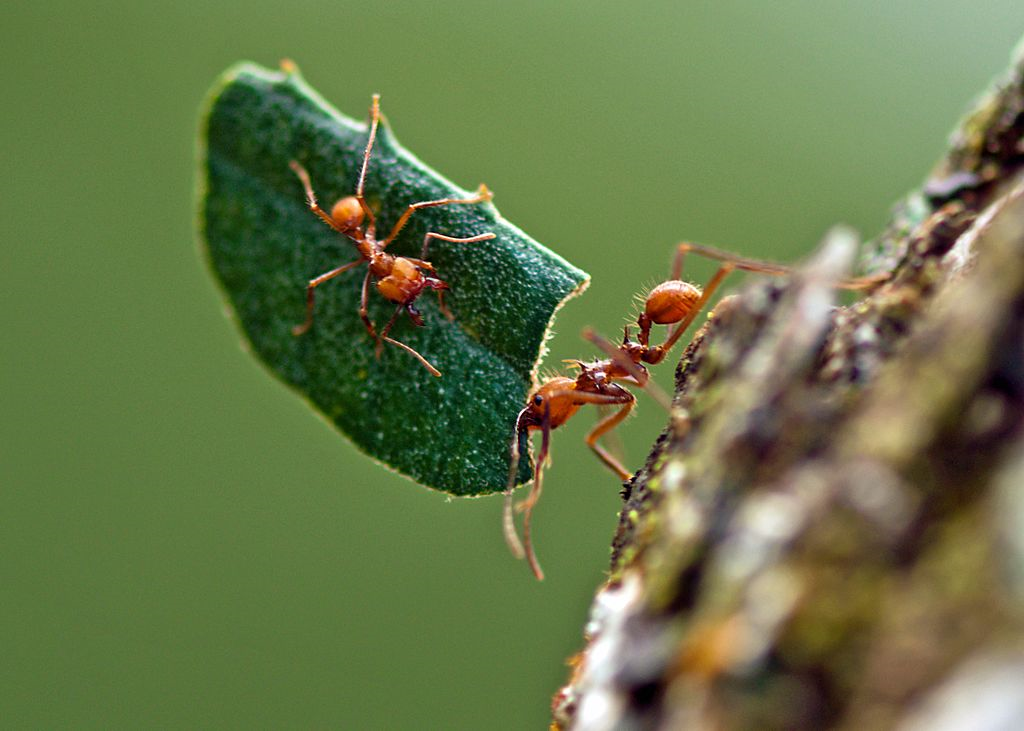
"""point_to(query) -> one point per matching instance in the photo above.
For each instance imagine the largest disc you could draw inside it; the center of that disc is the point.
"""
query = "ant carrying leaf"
(674, 303)
(400, 279)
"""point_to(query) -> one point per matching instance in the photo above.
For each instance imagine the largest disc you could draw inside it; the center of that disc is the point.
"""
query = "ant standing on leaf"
(400, 279)
(675, 303)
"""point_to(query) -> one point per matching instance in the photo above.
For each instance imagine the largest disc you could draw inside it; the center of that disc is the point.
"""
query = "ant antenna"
(524, 548)
(374, 121)
(520, 444)
(531, 499)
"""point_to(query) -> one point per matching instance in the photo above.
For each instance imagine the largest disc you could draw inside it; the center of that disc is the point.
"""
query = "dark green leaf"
(450, 433)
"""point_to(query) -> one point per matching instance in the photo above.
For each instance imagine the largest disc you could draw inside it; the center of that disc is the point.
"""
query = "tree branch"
(829, 533)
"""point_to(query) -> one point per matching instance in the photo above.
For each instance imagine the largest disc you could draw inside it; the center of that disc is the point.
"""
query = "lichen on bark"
(828, 533)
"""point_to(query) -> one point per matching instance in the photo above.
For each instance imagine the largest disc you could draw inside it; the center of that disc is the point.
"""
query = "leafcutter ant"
(400, 279)
(674, 303)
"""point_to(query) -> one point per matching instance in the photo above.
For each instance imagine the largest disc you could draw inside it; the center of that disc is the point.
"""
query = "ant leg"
(311, 197)
(414, 315)
(313, 284)
(421, 263)
(602, 427)
(363, 310)
(677, 261)
(482, 195)
(424, 264)
(387, 329)
(383, 336)
(443, 307)
(439, 286)
(426, 363)
(761, 266)
(451, 239)
(623, 398)
(455, 240)
(731, 262)
(739, 262)
(613, 439)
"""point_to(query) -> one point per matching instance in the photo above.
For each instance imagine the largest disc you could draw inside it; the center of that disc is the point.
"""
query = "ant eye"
(538, 400)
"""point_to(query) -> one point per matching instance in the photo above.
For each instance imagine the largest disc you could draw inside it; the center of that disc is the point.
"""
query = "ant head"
(670, 302)
(551, 402)
(532, 416)
(347, 214)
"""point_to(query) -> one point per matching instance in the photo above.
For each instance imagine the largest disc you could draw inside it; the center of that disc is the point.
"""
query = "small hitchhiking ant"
(675, 303)
(400, 279)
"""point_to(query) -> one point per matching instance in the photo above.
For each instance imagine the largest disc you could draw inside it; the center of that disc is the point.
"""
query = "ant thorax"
(591, 376)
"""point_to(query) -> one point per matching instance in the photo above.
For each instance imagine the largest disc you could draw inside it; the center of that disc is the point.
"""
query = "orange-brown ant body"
(675, 303)
(400, 279)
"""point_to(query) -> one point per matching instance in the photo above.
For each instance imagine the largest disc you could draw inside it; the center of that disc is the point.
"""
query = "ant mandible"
(400, 279)
(674, 303)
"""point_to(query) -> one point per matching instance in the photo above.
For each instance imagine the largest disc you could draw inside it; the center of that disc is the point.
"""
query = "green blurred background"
(183, 543)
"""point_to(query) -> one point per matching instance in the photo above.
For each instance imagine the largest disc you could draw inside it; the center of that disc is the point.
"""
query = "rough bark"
(830, 532)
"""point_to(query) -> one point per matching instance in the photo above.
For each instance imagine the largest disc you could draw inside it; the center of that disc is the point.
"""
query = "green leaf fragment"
(263, 245)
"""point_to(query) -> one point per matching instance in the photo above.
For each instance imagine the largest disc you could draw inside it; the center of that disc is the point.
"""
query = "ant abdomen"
(670, 302)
